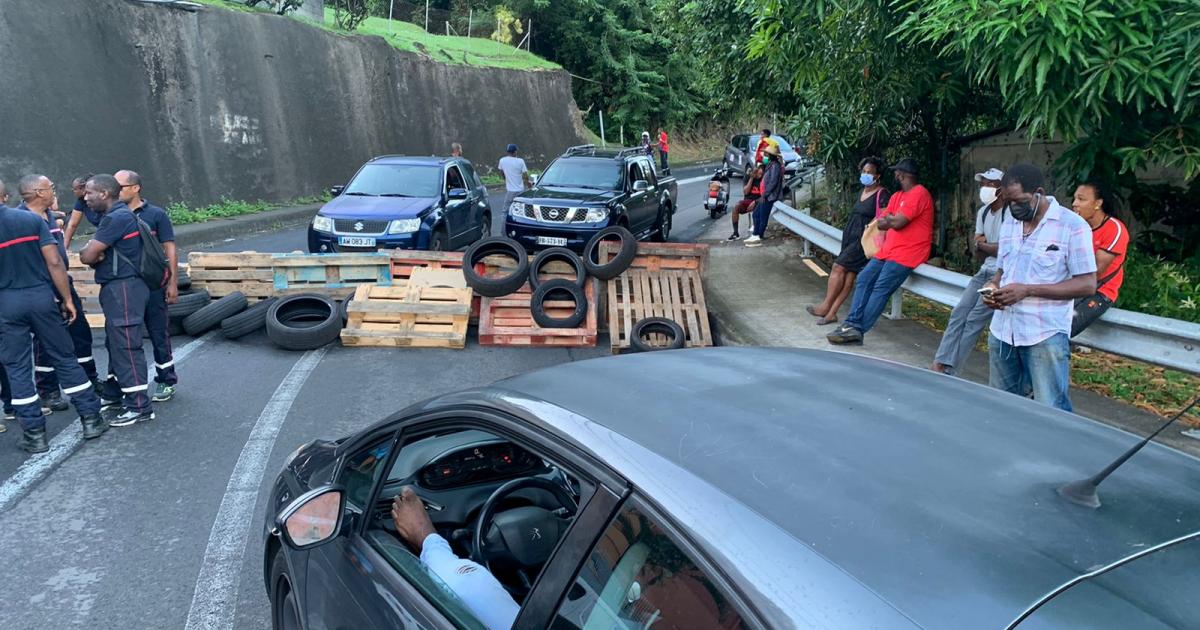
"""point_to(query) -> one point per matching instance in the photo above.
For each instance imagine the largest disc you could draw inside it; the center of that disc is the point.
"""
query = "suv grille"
(347, 226)
(555, 214)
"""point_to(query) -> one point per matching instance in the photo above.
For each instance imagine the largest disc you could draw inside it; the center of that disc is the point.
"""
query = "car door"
(478, 198)
(459, 219)
(638, 203)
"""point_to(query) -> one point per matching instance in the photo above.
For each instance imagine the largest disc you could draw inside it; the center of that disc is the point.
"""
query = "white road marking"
(215, 598)
(692, 180)
(70, 438)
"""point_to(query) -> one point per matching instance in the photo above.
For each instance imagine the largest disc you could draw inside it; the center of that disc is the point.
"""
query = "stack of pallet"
(508, 320)
(89, 292)
(221, 274)
(331, 275)
(429, 308)
(663, 281)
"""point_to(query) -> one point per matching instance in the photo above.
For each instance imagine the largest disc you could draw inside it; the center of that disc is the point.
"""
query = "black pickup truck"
(588, 189)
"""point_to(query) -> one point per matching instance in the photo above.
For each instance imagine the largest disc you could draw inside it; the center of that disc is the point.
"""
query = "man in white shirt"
(516, 176)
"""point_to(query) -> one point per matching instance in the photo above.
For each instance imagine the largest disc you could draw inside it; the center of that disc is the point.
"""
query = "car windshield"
(396, 180)
(599, 174)
(784, 145)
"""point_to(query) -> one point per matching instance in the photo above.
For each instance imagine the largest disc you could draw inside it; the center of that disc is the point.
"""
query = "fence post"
(807, 245)
(391, 11)
(470, 17)
(426, 16)
(603, 143)
(529, 36)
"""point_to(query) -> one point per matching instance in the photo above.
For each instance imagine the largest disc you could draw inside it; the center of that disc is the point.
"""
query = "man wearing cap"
(908, 222)
(516, 176)
(970, 316)
(772, 191)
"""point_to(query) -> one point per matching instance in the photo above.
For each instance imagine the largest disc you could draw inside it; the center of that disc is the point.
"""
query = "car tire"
(548, 291)
(285, 612)
(662, 325)
(252, 319)
(619, 263)
(438, 241)
(662, 229)
(504, 285)
(188, 304)
(213, 314)
(485, 227)
(305, 321)
(556, 254)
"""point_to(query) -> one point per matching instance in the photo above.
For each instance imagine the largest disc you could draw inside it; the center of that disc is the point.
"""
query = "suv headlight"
(404, 226)
(516, 209)
(322, 224)
(595, 215)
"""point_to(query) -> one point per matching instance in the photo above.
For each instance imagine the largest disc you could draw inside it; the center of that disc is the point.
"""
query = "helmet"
(645, 134)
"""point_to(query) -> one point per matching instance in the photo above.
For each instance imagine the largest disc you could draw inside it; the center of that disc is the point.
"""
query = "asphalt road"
(116, 533)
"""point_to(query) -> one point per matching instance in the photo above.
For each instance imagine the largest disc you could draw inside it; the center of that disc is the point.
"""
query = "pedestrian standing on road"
(664, 147)
(39, 199)
(157, 317)
(772, 191)
(516, 176)
(1096, 202)
(908, 223)
(647, 146)
(1045, 262)
(114, 252)
(970, 316)
(455, 149)
(35, 301)
(851, 259)
(751, 192)
(80, 211)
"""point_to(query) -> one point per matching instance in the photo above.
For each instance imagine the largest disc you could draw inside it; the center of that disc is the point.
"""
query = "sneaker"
(10, 413)
(163, 392)
(845, 335)
(753, 241)
(127, 417)
(733, 237)
(54, 402)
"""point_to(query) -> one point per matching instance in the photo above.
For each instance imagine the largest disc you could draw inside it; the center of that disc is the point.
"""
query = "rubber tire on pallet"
(496, 287)
(248, 321)
(319, 314)
(619, 263)
(343, 308)
(546, 291)
(662, 325)
(553, 254)
(188, 304)
(213, 314)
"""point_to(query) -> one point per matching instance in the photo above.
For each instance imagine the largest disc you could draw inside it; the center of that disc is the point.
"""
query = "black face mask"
(1024, 210)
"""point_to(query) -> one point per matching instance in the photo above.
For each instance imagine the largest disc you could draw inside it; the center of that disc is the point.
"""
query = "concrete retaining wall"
(228, 104)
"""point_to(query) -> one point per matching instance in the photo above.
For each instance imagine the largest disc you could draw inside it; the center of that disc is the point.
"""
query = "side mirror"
(314, 518)
(641, 185)
(456, 194)
(534, 177)
(336, 190)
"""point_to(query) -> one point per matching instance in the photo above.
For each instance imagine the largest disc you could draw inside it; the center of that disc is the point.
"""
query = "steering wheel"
(524, 536)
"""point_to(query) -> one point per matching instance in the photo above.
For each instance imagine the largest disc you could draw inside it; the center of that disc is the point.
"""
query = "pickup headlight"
(322, 224)
(516, 209)
(404, 226)
(595, 215)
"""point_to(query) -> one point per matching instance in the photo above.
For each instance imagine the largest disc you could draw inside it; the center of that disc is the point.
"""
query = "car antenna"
(1083, 492)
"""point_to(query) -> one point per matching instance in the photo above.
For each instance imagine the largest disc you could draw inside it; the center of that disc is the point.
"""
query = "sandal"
(812, 310)
(825, 321)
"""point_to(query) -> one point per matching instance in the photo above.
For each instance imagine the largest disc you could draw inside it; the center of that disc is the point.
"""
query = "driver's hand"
(410, 518)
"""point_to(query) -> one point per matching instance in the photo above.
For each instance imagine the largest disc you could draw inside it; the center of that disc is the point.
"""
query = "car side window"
(638, 577)
(470, 176)
(362, 470)
(649, 171)
(635, 173)
(454, 179)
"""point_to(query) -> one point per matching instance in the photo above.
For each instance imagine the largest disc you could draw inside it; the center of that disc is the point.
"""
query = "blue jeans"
(969, 317)
(1045, 365)
(874, 286)
(761, 216)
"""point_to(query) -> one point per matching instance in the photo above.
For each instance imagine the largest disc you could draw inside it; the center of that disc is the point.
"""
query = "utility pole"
(529, 36)
(391, 11)
(603, 143)
(470, 17)
(426, 16)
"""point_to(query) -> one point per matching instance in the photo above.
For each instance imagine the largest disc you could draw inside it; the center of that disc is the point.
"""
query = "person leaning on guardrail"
(1045, 262)
(970, 316)
(1096, 202)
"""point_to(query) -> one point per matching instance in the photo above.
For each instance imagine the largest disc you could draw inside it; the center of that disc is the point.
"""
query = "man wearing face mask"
(1045, 262)
(970, 316)
(772, 190)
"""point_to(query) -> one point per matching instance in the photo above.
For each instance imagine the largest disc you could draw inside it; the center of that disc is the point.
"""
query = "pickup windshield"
(599, 174)
(396, 180)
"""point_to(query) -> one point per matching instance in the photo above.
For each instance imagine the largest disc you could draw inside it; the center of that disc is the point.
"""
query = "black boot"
(34, 441)
(55, 402)
(93, 426)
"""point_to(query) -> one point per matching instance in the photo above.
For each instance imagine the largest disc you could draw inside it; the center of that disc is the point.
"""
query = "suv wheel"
(485, 225)
(437, 242)
(663, 231)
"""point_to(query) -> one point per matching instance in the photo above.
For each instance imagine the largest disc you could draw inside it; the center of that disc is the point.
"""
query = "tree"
(348, 14)
(281, 7)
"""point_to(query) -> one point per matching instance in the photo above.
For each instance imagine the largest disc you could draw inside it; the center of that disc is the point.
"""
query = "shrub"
(279, 6)
(1158, 287)
(348, 14)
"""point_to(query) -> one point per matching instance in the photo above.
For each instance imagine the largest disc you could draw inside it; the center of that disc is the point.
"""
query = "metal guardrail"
(1162, 341)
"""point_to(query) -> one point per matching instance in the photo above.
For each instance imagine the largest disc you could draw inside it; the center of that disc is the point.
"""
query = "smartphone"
(986, 291)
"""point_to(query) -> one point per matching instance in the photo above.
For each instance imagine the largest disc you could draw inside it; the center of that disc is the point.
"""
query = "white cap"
(993, 174)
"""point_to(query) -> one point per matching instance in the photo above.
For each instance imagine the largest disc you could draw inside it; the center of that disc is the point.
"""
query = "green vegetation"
(492, 179)
(1159, 287)
(182, 214)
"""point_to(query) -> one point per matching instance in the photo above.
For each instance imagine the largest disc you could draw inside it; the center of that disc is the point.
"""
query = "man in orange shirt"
(663, 148)
(1096, 202)
(908, 221)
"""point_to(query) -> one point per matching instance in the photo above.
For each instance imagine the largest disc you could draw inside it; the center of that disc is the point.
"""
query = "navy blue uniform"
(92, 216)
(81, 333)
(157, 318)
(28, 308)
(123, 297)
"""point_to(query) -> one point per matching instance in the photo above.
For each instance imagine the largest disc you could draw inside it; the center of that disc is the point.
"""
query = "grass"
(1158, 390)
(492, 179)
(182, 214)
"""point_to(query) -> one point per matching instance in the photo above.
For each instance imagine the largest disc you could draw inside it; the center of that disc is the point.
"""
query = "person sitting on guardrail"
(1045, 262)
(1096, 202)
(852, 259)
(908, 223)
(772, 191)
(751, 191)
(970, 316)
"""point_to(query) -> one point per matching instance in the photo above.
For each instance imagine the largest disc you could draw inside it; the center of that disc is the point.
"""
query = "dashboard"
(479, 464)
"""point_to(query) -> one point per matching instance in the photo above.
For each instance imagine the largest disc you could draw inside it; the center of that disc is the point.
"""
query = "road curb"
(233, 227)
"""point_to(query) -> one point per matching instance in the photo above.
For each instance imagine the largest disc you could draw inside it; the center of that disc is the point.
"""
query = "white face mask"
(987, 195)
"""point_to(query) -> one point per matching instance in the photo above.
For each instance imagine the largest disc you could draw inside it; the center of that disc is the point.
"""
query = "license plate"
(553, 241)
(356, 241)
(710, 202)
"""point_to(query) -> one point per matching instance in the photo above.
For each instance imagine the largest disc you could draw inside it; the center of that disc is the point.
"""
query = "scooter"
(716, 201)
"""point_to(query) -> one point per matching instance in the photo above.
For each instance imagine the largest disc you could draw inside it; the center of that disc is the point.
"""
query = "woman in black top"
(851, 260)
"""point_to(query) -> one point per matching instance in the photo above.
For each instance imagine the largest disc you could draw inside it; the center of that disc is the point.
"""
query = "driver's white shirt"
(478, 589)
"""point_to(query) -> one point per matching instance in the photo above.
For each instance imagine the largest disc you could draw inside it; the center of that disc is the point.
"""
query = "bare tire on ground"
(248, 321)
(188, 304)
(211, 315)
(305, 321)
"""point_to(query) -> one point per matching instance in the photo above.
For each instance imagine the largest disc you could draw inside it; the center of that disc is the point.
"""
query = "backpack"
(155, 269)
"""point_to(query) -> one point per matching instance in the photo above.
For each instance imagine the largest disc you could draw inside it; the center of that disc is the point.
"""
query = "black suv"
(588, 189)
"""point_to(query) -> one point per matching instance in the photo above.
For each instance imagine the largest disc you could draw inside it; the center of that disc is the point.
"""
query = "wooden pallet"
(405, 261)
(430, 309)
(221, 274)
(663, 281)
(332, 275)
(84, 278)
(507, 321)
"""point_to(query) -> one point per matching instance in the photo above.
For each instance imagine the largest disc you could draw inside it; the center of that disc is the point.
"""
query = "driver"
(479, 590)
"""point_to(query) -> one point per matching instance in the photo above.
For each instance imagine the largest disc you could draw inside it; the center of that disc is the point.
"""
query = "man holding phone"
(970, 316)
(1044, 262)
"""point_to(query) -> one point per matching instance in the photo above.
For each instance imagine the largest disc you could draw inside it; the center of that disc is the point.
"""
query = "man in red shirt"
(1095, 202)
(908, 221)
(663, 148)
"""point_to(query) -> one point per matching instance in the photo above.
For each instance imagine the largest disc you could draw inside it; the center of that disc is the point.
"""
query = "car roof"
(930, 493)
(415, 160)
